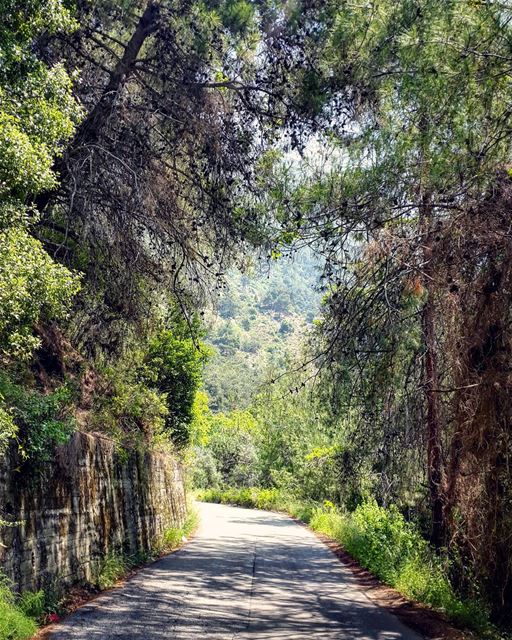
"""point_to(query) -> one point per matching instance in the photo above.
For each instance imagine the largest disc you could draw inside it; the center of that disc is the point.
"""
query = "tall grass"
(15, 623)
(381, 540)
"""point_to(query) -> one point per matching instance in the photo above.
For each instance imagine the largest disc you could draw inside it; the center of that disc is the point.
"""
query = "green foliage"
(285, 440)
(300, 447)
(113, 567)
(8, 428)
(37, 116)
(40, 420)
(172, 538)
(126, 408)
(33, 604)
(237, 15)
(32, 287)
(228, 455)
(200, 424)
(15, 623)
(149, 395)
(38, 112)
(173, 366)
(260, 323)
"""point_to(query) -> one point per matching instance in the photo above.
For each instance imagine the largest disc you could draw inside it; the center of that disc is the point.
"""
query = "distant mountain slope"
(258, 326)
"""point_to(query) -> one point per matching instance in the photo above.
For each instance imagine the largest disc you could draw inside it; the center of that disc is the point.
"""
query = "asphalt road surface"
(246, 575)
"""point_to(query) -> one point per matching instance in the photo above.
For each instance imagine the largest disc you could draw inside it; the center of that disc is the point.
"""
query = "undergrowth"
(17, 621)
(39, 420)
(382, 541)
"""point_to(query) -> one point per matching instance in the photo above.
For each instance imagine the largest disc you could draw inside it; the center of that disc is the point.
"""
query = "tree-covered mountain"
(258, 327)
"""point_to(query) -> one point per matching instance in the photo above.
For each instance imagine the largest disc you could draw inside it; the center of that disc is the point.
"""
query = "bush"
(8, 429)
(33, 604)
(128, 410)
(112, 568)
(173, 366)
(149, 394)
(32, 287)
(41, 420)
(15, 624)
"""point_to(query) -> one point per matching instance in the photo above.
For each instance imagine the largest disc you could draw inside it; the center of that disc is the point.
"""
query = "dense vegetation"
(149, 147)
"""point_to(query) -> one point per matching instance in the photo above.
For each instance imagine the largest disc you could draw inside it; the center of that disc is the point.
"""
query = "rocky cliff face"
(90, 502)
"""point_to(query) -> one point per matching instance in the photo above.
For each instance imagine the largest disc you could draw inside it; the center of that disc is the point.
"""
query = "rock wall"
(90, 502)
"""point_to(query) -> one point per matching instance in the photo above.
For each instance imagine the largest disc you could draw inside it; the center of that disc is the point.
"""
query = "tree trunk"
(89, 129)
(434, 454)
(431, 381)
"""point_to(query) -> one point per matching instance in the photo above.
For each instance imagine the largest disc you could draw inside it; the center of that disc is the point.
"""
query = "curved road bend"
(247, 575)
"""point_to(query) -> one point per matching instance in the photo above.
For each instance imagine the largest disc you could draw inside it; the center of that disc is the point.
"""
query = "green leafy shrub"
(15, 624)
(148, 396)
(172, 537)
(173, 366)
(113, 567)
(38, 114)
(8, 429)
(381, 539)
(33, 604)
(127, 409)
(41, 421)
(32, 286)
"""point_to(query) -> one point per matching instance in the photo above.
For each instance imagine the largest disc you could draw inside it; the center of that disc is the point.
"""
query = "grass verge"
(17, 621)
(383, 542)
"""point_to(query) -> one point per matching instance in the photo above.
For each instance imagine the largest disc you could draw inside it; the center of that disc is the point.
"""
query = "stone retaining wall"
(90, 502)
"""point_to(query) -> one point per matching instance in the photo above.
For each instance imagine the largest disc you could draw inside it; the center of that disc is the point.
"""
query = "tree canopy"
(149, 148)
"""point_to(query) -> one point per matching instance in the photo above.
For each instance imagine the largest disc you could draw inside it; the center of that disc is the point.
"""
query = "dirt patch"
(75, 598)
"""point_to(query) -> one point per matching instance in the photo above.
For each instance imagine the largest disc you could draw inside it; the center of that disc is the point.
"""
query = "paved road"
(247, 575)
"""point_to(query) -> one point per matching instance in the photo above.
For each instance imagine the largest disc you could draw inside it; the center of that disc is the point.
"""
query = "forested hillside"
(257, 328)
(151, 152)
